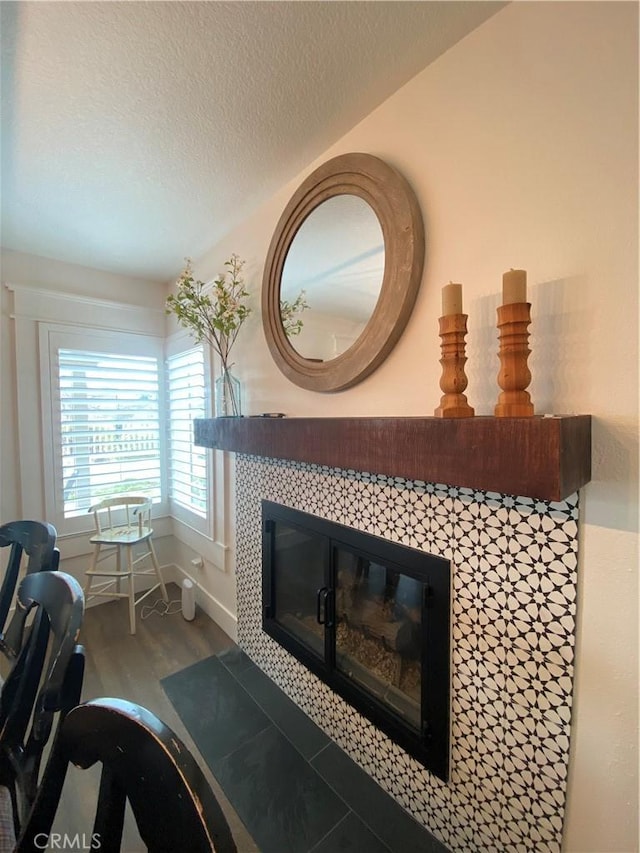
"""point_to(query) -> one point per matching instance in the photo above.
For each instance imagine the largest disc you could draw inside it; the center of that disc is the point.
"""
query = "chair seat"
(7, 830)
(121, 536)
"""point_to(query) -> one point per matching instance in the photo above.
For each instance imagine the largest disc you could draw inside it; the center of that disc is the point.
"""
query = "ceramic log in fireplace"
(368, 616)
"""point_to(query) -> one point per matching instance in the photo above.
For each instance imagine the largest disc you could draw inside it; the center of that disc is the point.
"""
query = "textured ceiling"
(136, 133)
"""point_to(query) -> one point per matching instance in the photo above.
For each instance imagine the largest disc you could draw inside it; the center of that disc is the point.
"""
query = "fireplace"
(370, 617)
(497, 498)
(513, 564)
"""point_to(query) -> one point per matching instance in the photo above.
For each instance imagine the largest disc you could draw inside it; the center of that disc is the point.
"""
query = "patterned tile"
(514, 576)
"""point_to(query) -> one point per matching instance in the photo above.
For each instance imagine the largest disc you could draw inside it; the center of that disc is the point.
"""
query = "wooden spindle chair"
(123, 523)
(145, 765)
(36, 540)
(43, 685)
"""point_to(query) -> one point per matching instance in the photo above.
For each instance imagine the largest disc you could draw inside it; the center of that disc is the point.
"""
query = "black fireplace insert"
(369, 617)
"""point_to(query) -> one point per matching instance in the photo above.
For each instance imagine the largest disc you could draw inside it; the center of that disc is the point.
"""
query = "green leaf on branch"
(214, 315)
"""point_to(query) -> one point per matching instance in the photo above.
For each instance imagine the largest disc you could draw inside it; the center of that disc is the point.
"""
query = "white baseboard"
(221, 615)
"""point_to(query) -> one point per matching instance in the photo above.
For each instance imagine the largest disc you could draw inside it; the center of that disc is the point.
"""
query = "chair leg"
(132, 590)
(119, 569)
(88, 579)
(156, 566)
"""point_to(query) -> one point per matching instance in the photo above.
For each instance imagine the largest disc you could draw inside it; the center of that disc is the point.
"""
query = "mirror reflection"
(332, 277)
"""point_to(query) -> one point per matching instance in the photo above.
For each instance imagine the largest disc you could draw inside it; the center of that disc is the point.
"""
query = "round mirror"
(342, 272)
(332, 277)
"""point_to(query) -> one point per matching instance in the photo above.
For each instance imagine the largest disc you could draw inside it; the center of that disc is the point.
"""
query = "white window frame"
(53, 337)
(174, 345)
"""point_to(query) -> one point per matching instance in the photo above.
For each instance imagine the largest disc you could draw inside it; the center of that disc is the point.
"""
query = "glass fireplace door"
(298, 597)
(368, 616)
(378, 616)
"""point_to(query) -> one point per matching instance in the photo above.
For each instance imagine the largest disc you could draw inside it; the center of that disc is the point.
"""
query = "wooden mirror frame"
(397, 209)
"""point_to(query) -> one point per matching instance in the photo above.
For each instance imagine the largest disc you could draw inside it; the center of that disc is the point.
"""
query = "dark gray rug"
(292, 787)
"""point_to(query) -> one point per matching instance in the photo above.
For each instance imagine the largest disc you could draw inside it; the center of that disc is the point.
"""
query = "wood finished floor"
(131, 667)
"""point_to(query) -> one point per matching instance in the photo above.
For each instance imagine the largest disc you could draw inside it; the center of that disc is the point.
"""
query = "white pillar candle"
(451, 299)
(514, 287)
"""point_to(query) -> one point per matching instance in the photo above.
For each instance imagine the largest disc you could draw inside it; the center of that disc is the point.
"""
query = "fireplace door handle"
(321, 605)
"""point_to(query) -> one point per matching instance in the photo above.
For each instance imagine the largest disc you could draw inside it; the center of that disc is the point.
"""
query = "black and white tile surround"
(513, 622)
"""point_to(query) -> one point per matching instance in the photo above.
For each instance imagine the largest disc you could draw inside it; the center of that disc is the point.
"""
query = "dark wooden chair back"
(44, 682)
(37, 540)
(144, 763)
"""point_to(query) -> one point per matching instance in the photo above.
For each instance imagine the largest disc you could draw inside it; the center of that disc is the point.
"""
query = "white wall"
(521, 144)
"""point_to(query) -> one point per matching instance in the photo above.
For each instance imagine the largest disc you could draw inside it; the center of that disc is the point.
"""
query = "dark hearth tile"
(235, 660)
(294, 723)
(351, 836)
(278, 795)
(217, 711)
(386, 819)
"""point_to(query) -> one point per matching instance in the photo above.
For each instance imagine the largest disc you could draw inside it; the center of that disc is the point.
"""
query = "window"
(109, 427)
(108, 416)
(188, 482)
(103, 400)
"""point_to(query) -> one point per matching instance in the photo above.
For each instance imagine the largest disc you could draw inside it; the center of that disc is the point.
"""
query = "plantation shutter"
(187, 400)
(109, 418)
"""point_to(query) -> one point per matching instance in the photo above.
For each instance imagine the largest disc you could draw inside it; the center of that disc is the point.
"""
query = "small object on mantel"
(514, 317)
(451, 299)
(453, 328)
(270, 415)
(514, 286)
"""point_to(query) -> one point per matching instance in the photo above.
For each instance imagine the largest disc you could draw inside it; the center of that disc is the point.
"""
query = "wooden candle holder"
(514, 376)
(453, 403)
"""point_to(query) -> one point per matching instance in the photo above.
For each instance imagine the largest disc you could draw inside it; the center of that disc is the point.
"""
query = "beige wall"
(19, 268)
(521, 144)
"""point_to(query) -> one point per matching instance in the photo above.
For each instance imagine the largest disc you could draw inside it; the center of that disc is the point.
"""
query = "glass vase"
(227, 395)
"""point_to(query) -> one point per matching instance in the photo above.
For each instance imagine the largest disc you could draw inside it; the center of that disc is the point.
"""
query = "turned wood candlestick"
(514, 376)
(453, 403)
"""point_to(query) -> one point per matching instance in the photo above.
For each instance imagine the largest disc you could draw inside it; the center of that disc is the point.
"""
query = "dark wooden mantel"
(540, 457)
